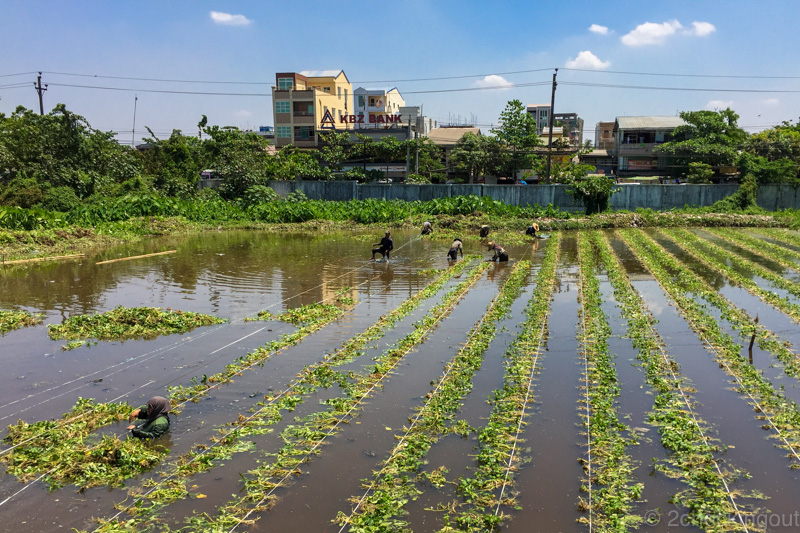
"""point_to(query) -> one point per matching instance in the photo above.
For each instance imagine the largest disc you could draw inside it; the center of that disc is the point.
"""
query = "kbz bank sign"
(328, 121)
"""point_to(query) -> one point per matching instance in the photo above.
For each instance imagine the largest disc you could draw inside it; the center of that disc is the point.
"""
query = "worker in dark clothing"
(455, 248)
(532, 229)
(484, 231)
(427, 228)
(384, 247)
(499, 253)
(156, 419)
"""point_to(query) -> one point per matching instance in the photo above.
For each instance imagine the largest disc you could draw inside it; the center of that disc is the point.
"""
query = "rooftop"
(450, 135)
(627, 123)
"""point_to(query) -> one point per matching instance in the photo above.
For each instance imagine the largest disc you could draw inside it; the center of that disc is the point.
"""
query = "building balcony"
(304, 119)
(636, 148)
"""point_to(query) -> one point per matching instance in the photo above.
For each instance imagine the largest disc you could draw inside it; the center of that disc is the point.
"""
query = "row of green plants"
(305, 438)
(786, 257)
(711, 251)
(780, 235)
(490, 488)
(610, 488)
(11, 319)
(396, 482)
(779, 413)
(174, 482)
(692, 455)
(739, 320)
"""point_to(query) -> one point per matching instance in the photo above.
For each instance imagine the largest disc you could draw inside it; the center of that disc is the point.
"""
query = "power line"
(672, 74)
(697, 89)
(20, 74)
(206, 93)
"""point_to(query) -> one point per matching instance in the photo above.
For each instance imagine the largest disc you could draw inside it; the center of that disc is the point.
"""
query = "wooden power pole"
(550, 127)
(40, 90)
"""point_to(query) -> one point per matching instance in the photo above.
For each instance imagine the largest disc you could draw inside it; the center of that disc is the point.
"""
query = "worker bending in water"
(532, 229)
(427, 228)
(499, 253)
(455, 248)
(156, 418)
(384, 247)
(484, 231)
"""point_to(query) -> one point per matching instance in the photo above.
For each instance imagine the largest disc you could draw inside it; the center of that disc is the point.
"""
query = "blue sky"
(461, 60)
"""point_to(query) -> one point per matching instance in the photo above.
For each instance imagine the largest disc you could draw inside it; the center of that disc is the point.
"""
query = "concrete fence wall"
(630, 197)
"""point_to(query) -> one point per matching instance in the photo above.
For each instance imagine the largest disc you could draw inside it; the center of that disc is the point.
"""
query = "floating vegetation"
(737, 318)
(66, 451)
(710, 503)
(174, 486)
(490, 487)
(311, 313)
(123, 323)
(609, 486)
(13, 319)
(396, 482)
(305, 439)
(778, 413)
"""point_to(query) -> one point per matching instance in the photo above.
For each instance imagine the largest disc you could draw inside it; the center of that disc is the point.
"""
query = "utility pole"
(133, 132)
(40, 90)
(550, 128)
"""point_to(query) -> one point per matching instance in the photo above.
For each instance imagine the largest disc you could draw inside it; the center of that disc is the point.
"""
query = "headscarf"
(157, 406)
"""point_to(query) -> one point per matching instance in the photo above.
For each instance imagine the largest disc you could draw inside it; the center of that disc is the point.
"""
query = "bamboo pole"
(135, 257)
(50, 258)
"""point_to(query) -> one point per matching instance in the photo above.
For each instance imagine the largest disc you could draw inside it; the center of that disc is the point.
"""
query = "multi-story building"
(604, 136)
(372, 106)
(571, 123)
(634, 140)
(572, 126)
(540, 112)
(305, 102)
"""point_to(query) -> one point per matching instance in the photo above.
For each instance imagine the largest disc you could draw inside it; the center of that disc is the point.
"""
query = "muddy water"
(236, 274)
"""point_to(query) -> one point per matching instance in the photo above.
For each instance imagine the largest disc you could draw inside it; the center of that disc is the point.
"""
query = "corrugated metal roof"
(629, 123)
(450, 135)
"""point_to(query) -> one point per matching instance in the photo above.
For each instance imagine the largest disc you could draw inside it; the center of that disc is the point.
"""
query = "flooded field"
(598, 381)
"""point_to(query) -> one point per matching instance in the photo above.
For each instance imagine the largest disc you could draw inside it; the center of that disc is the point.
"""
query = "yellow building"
(309, 101)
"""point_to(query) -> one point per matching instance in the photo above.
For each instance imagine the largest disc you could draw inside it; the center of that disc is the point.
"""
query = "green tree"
(241, 159)
(174, 164)
(59, 149)
(517, 133)
(593, 191)
(477, 155)
(711, 137)
(699, 172)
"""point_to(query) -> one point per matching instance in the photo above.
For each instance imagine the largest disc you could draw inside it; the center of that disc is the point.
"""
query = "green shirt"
(150, 429)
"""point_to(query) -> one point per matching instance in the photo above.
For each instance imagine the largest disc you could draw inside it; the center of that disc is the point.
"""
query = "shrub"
(61, 199)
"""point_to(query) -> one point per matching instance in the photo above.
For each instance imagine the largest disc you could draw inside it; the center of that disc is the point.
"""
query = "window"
(284, 84)
(283, 132)
(304, 133)
(283, 107)
(340, 92)
(361, 100)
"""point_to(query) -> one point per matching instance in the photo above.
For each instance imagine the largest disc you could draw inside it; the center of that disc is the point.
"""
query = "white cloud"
(701, 29)
(587, 60)
(493, 80)
(651, 33)
(229, 20)
(771, 102)
(596, 28)
(719, 105)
